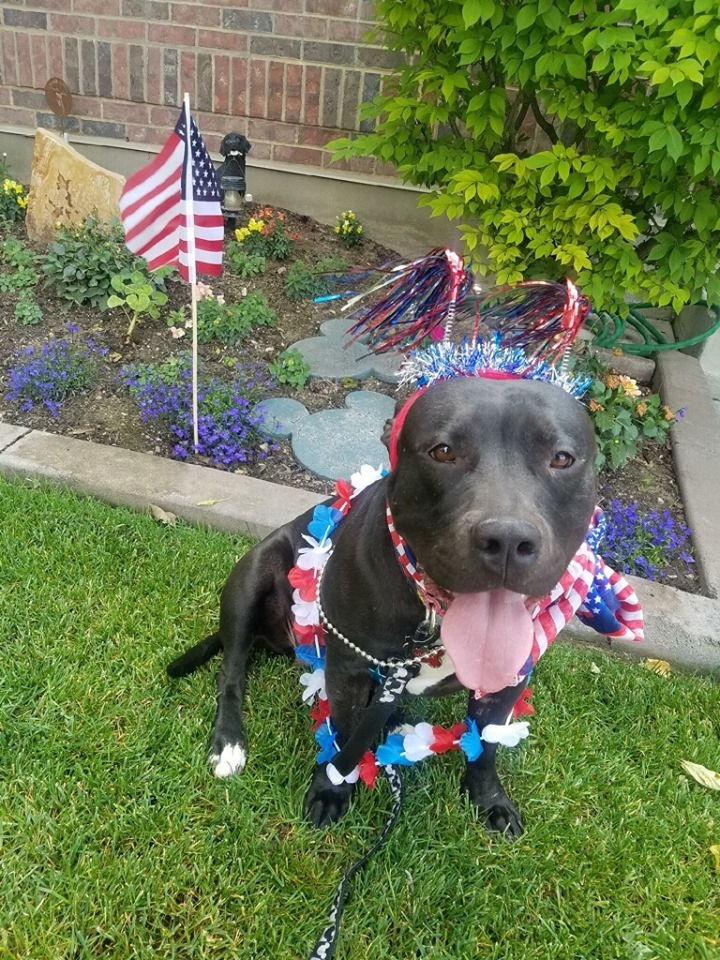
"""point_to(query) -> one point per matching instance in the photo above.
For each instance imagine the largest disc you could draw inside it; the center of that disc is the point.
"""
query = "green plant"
(291, 369)
(305, 283)
(136, 297)
(349, 229)
(230, 323)
(624, 419)
(20, 279)
(244, 263)
(15, 253)
(624, 191)
(83, 260)
(27, 309)
(266, 234)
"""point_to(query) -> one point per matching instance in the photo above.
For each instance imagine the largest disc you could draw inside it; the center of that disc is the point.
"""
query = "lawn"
(116, 841)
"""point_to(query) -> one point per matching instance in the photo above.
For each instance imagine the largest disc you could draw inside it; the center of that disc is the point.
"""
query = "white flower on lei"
(365, 477)
(334, 775)
(416, 745)
(305, 611)
(506, 734)
(314, 683)
(315, 556)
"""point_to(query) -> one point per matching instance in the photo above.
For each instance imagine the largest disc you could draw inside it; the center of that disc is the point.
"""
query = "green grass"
(116, 841)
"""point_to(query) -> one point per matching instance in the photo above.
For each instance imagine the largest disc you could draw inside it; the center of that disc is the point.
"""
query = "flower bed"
(121, 375)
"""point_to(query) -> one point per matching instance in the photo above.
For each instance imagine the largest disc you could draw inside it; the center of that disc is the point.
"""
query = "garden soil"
(108, 415)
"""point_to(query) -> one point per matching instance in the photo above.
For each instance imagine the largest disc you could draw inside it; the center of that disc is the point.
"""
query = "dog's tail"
(195, 657)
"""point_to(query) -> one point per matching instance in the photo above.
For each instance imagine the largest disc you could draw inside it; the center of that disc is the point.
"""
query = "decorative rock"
(641, 369)
(65, 186)
(332, 356)
(281, 416)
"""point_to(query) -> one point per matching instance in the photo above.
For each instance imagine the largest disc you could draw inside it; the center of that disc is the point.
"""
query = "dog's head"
(494, 485)
(234, 143)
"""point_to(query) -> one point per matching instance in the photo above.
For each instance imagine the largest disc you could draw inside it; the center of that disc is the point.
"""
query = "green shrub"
(15, 253)
(305, 283)
(624, 196)
(83, 260)
(27, 309)
(266, 234)
(19, 279)
(291, 369)
(244, 263)
(349, 229)
(136, 297)
(230, 323)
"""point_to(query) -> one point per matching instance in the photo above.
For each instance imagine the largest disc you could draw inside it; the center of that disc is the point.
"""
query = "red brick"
(38, 59)
(291, 26)
(348, 31)
(212, 142)
(260, 151)
(17, 116)
(346, 9)
(122, 29)
(121, 78)
(55, 57)
(221, 84)
(9, 57)
(288, 154)
(149, 134)
(222, 40)
(77, 26)
(104, 8)
(293, 92)
(195, 14)
(219, 123)
(154, 71)
(164, 117)
(22, 45)
(125, 112)
(385, 170)
(188, 72)
(316, 136)
(60, 5)
(4, 96)
(230, 3)
(311, 100)
(171, 35)
(87, 107)
(287, 6)
(271, 130)
(239, 94)
(276, 85)
(258, 83)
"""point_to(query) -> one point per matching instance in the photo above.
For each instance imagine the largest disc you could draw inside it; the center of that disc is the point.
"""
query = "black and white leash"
(374, 719)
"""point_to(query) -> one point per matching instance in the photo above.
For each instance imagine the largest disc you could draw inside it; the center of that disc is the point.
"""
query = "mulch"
(108, 415)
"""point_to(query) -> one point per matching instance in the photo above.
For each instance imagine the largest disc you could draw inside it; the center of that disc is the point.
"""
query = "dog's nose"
(507, 545)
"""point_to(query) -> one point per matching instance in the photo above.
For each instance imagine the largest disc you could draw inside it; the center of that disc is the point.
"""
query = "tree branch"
(544, 125)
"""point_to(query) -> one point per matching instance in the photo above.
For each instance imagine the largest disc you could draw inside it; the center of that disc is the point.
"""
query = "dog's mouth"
(489, 638)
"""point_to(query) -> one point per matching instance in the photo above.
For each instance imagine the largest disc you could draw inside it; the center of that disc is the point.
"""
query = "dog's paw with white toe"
(231, 760)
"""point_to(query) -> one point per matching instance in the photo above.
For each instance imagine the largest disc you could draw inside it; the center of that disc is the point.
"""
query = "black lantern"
(231, 174)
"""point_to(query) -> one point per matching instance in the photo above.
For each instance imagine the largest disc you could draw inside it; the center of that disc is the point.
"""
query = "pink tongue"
(489, 637)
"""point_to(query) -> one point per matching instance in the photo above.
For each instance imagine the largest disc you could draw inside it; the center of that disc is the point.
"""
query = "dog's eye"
(562, 460)
(442, 453)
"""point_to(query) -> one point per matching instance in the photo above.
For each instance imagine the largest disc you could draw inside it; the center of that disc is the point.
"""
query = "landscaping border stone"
(682, 628)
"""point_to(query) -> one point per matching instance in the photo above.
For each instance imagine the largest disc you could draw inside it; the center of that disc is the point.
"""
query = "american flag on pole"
(162, 217)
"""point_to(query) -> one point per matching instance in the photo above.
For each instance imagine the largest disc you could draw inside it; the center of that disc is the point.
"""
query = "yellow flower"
(629, 386)
(241, 233)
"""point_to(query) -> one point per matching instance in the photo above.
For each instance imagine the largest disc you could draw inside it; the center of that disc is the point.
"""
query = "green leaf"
(674, 142)
(576, 66)
(526, 18)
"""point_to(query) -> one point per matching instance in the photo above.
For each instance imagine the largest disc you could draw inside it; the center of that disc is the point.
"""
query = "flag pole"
(192, 275)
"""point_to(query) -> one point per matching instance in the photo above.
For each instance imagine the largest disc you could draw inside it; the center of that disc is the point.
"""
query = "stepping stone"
(332, 355)
(281, 415)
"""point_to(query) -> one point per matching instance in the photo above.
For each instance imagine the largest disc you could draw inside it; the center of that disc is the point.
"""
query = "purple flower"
(52, 373)
(643, 543)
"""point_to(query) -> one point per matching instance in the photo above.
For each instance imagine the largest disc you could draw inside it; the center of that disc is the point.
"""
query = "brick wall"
(289, 74)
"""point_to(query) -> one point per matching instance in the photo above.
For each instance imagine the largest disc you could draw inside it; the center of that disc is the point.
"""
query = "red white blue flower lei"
(588, 588)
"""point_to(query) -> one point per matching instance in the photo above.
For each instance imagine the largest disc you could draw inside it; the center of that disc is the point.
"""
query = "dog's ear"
(388, 428)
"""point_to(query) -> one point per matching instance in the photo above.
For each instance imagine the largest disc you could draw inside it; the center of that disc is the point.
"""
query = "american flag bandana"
(589, 588)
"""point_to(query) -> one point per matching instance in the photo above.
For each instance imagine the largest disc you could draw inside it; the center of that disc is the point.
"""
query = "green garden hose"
(609, 329)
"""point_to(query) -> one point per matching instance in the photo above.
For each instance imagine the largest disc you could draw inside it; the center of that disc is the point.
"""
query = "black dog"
(493, 490)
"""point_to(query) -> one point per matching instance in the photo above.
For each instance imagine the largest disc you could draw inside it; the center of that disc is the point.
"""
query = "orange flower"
(595, 406)
(667, 412)
(641, 409)
(612, 381)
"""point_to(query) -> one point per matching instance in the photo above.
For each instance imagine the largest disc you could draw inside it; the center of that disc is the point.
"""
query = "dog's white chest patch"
(430, 676)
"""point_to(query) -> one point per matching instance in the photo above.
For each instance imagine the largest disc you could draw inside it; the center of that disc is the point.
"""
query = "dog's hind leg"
(481, 782)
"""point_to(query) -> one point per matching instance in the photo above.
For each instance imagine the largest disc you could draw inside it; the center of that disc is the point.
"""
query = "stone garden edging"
(680, 627)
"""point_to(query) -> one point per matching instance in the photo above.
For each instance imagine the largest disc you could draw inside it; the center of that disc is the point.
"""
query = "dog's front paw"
(325, 803)
(228, 759)
(493, 805)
